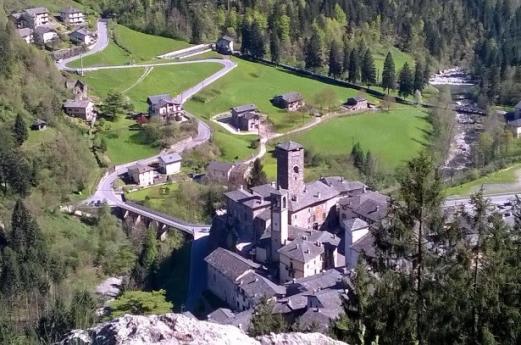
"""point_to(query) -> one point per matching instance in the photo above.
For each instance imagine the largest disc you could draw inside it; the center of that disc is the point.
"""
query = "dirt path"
(147, 72)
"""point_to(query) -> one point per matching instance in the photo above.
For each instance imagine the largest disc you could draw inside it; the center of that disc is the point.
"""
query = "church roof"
(315, 192)
(323, 280)
(342, 185)
(230, 264)
(290, 146)
(301, 250)
(256, 286)
(264, 190)
(370, 205)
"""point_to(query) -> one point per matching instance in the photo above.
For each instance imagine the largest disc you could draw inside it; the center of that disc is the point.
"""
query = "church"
(296, 227)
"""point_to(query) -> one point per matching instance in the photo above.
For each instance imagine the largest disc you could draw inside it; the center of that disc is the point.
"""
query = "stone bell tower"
(279, 222)
(290, 167)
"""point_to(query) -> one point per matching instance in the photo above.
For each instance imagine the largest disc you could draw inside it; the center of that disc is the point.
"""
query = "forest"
(483, 35)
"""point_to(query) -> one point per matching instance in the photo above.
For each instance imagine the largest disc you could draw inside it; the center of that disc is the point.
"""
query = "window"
(296, 170)
(284, 202)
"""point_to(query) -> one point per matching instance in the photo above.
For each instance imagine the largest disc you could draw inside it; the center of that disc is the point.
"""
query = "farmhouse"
(43, 34)
(82, 36)
(31, 18)
(291, 101)
(245, 117)
(356, 103)
(142, 175)
(224, 45)
(170, 163)
(165, 107)
(26, 34)
(83, 109)
(72, 16)
(39, 125)
(513, 120)
(219, 171)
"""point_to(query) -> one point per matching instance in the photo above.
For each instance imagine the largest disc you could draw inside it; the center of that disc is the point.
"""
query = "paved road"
(101, 44)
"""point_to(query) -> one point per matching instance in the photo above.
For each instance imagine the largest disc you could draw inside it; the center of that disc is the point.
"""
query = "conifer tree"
(275, 47)
(418, 77)
(354, 66)
(345, 60)
(313, 51)
(257, 175)
(368, 68)
(20, 131)
(405, 81)
(389, 74)
(335, 60)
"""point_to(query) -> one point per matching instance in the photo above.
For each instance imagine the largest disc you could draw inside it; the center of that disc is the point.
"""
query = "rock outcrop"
(173, 329)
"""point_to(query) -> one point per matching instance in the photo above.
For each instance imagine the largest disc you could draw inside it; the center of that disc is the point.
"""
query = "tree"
(335, 60)
(257, 175)
(368, 68)
(140, 303)
(113, 105)
(20, 131)
(264, 321)
(354, 66)
(345, 60)
(405, 81)
(418, 84)
(54, 324)
(325, 99)
(313, 51)
(149, 254)
(257, 45)
(275, 47)
(9, 274)
(388, 73)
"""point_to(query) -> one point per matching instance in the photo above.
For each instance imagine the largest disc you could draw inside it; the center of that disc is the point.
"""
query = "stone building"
(245, 117)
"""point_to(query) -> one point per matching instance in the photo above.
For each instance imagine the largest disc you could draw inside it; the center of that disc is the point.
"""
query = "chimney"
(241, 187)
(318, 195)
(306, 251)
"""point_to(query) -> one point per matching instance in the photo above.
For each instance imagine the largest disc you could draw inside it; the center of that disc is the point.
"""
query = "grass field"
(256, 83)
(392, 137)
(500, 181)
(234, 147)
(132, 47)
(399, 57)
(153, 193)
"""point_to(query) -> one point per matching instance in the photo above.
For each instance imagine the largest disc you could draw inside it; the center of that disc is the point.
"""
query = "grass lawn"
(124, 144)
(400, 58)
(257, 83)
(392, 137)
(138, 47)
(234, 147)
(153, 194)
(101, 82)
(506, 177)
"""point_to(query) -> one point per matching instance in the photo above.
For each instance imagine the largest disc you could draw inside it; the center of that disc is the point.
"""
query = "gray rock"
(174, 329)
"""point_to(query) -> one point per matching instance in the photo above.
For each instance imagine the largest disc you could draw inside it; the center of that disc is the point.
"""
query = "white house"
(72, 16)
(35, 17)
(170, 163)
(142, 175)
(82, 36)
(43, 34)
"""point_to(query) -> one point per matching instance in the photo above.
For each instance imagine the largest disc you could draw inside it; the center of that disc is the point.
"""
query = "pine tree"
(418, 77)
(405, 81)
(264, 321)
(257, 46)
(354, 66)
(313, 51)
(345, 60)
(9, 274)
(389, 74)
(335, 60)
(275, 47)
(20, 131)
(257, 175)
(368, 68)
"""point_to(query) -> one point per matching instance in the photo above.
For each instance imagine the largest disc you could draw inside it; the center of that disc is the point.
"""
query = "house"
(219, 171)
(235, 280)
(165, 107)
(26, 34)
(291, 101)
(245, 117)
(224, 45)
(35, 17)
(43, 34)
(170, 163)
(356, 103)
(72, 16)
(82, 36)
(39, 125)
(513, 120)
(225, 316)
(142, 175)
(17, 19)
(83, 109)
(79, 89)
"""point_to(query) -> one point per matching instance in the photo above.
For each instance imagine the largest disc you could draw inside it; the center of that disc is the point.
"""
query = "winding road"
(105, 190)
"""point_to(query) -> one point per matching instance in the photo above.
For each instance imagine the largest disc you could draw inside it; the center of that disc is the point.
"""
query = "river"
(467, 126)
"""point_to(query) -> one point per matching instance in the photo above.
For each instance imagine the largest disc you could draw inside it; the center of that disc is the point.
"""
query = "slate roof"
(342, 185)
(80, 33)
(365, 244)
(315, 192)
(324, 237)
(322, 307)
(230, 264)
(370, 205)
(289, 146)
(264, 190)
(168, 158)
(256, 286)
(354, 224)
(291, 97)
(301, 250)
(70, 10)
(159, 99)
(40, 30)
(514, 118)
(245, 108)
(225, 316)
(357, 99)
(36, 11)
(71, 103)
(140, 168)
(220, 166)
(39, 122)
(238, 195)
(324, 280)
(250, 115)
